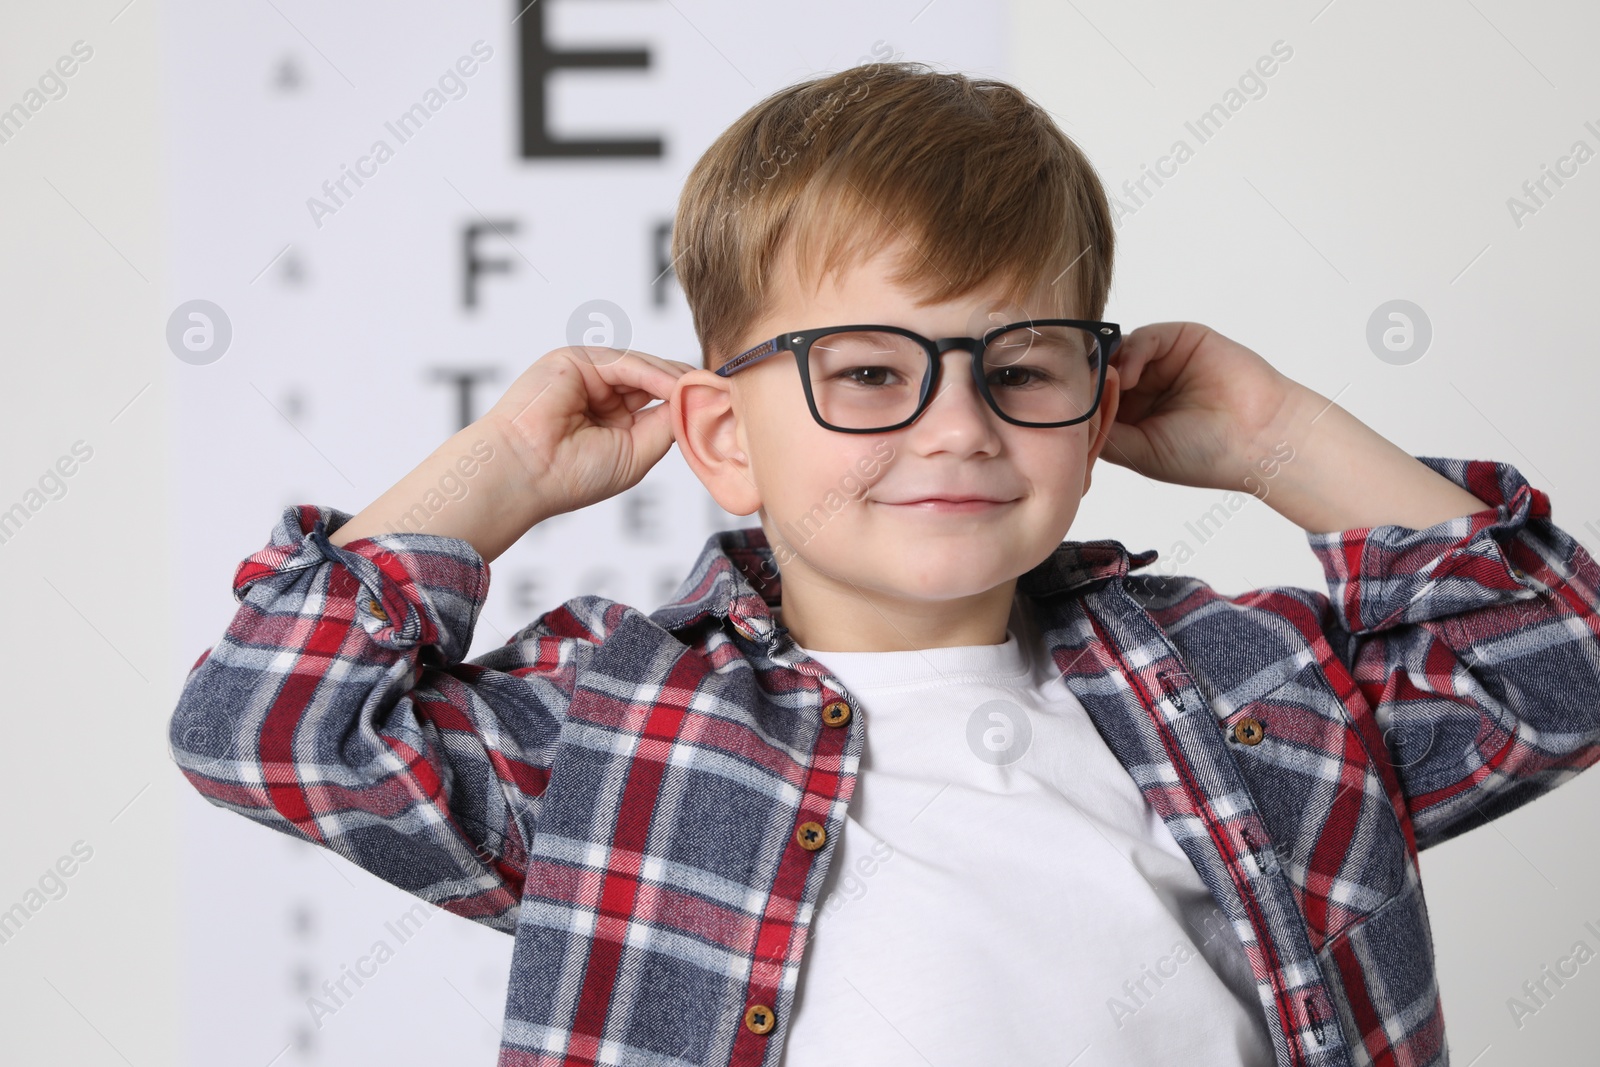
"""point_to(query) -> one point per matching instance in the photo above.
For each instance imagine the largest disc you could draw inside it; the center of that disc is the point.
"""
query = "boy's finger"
(1126, 446)
(652, 435)
(1143, 346)
(1153, 339)
(601, 356)
(671, 365)
(1131, 363)
(636, 370)
(634, 399)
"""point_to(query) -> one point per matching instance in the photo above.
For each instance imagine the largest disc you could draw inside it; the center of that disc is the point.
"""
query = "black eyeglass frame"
(1108, 336)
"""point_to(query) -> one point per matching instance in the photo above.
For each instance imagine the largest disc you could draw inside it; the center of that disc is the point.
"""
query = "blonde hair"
(977, 177)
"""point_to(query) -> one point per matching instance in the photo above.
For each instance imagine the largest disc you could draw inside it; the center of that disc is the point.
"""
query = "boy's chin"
(926, 575)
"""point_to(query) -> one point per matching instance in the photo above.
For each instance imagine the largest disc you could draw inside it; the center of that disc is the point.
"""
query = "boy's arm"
(472, 487)
(1345, 476)
(336, 707)
(1468, 619)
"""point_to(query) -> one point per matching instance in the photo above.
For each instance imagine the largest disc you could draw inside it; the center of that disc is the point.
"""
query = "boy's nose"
(955, 377)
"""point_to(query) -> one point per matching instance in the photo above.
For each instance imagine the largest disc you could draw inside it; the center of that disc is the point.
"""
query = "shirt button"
(376, 610)
(836, 713)
(1249, 731)
(811, 835)
(759, 1018)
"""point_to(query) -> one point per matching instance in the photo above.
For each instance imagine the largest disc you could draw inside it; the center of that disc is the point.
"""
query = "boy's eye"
(867, 360)
(1010, 376)
(1014, 377)
(868, 375)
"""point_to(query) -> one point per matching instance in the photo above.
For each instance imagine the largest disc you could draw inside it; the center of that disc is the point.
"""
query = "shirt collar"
(736, 578)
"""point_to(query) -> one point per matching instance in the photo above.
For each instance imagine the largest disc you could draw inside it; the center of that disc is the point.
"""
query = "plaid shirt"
(638, 798)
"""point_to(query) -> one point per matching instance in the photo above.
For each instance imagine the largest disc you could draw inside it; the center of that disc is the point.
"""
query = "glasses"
(871, 379)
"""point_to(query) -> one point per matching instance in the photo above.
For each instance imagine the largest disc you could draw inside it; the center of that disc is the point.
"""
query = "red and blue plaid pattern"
(623, 792)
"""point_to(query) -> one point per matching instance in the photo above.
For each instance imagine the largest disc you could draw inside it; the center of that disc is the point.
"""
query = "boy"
(1021, 804)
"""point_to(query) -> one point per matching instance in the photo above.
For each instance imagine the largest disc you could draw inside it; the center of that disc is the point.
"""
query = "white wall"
(92, 976)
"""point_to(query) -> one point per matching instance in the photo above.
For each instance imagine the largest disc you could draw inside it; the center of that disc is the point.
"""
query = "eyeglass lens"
(870, 379)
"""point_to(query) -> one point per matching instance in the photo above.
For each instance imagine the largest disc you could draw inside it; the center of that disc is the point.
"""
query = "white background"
(1376, 166)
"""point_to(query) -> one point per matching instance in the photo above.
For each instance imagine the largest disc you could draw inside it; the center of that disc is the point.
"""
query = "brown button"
(811, 835)
(759, 1018)
(1249, 731)
(376, 610)
(836, 713)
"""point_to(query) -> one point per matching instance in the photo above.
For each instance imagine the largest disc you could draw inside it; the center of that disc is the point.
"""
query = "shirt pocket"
(1381, 978)
(1322, 799)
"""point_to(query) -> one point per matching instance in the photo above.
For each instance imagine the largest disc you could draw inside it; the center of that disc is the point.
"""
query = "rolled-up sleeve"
(1477, 643)
(336, 708)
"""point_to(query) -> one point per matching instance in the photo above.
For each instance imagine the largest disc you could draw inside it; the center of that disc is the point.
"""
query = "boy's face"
(835, 506)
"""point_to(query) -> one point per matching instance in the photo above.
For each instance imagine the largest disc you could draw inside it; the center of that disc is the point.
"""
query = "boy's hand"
(573, 421)
(1196, 408)
(572, 433)
(1199, 409)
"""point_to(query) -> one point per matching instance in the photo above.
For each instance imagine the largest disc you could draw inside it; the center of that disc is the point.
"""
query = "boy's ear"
(707, 426)
(1104, 416)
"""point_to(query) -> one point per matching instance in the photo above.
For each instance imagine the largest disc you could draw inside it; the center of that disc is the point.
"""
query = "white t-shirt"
(1003, 893)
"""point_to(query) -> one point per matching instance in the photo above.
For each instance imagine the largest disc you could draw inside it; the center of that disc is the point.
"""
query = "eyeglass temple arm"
(744, 359)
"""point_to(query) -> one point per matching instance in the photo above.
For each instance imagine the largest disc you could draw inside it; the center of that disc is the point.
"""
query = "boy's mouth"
(950, 505)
